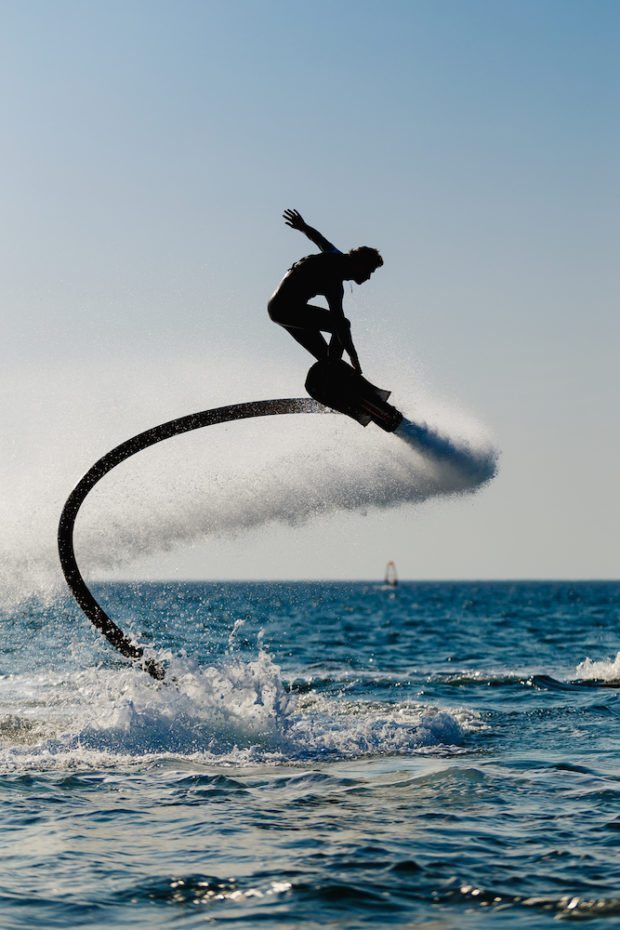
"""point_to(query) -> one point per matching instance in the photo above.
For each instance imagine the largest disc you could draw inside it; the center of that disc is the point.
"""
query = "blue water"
(321, 755)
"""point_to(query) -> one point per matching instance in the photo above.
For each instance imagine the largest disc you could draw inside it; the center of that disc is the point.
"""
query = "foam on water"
(232, 713)
(601, 670)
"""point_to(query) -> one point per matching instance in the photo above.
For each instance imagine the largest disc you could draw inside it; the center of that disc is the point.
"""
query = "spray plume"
(222, 482)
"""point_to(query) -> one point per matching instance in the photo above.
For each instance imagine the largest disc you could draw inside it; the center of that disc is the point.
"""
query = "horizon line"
(374, 580)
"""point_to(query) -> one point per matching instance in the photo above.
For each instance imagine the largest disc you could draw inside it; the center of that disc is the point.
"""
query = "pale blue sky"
(149, 149)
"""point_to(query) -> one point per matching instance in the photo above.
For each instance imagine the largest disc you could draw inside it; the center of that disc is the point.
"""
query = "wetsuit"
(318, 274)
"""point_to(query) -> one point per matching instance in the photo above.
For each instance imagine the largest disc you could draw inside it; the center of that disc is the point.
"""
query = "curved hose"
(95, 613)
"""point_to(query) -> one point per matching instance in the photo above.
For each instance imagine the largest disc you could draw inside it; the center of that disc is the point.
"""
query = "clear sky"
(148, 151)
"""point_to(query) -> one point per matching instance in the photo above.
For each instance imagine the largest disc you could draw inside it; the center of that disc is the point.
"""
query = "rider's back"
(319, 273)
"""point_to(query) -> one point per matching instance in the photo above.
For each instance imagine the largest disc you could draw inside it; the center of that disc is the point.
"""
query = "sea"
(320, 755)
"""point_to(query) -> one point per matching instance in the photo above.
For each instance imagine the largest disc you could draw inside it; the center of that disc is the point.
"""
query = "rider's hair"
(368, 256)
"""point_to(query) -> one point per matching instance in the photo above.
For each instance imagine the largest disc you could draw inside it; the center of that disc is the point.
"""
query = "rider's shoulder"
(317, 260)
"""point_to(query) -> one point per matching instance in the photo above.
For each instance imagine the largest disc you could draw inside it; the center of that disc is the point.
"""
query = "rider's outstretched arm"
(294, 219)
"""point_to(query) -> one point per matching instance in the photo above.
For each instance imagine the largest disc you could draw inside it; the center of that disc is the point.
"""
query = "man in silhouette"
(321, 274)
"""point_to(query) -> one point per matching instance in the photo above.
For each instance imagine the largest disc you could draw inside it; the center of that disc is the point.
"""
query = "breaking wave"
(233, 713)
(599, 670)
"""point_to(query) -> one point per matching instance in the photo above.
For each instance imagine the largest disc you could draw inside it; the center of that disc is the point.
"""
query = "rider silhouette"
(321, 274)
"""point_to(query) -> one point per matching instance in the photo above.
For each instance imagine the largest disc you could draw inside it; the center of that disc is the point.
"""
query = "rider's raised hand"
(295, 219)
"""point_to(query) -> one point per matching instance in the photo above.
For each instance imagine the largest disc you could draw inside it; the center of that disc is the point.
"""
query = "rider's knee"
(275, 311)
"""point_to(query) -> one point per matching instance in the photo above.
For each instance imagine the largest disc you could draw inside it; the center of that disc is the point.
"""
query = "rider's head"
(362, 263)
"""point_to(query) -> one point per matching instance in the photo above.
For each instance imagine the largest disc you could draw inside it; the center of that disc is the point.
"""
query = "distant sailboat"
(391, 578)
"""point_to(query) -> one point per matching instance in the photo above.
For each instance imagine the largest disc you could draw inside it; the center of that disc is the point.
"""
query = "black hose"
(95, 613)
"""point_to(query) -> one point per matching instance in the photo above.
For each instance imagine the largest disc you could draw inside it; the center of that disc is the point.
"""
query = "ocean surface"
(320, 755)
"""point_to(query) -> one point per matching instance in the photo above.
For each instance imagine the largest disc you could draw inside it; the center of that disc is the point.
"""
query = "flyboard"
(339, 386)
(332, 385)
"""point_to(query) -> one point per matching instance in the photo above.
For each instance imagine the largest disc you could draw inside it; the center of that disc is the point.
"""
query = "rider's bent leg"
(335, 349)
(305, 323)
(313, 342)
(304, 316)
